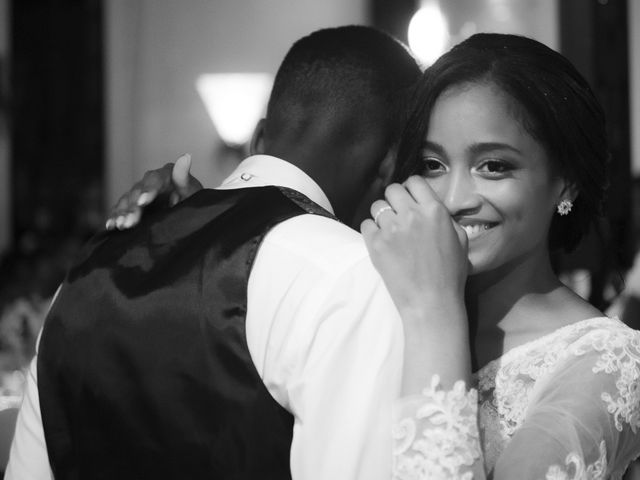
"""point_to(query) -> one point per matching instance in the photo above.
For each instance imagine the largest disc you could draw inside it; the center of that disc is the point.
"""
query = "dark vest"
(144, 370)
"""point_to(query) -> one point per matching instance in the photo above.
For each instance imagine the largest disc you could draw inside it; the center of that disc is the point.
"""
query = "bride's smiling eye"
(495, 167)
(432, 166)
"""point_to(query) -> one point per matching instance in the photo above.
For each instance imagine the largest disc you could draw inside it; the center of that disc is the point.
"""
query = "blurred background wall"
(538, 19)
(155, 51)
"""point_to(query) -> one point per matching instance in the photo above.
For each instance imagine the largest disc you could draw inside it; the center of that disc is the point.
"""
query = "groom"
(244, 333)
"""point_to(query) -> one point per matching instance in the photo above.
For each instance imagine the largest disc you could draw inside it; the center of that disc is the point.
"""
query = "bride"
(511, 142)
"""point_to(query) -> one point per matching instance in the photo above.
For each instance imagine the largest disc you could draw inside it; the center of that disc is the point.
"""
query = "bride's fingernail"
(185, 158)
(143, 199)
(128, 221)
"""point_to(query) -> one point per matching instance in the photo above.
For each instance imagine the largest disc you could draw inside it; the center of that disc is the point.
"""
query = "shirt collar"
(265, 170)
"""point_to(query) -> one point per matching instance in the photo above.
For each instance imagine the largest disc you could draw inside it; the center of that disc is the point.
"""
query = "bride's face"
(493, 177)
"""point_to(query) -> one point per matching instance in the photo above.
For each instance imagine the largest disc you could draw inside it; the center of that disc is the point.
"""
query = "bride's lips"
(475, 228)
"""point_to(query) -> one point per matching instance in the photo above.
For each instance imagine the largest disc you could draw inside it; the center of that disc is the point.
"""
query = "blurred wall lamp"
(235, 102)
(428, 32)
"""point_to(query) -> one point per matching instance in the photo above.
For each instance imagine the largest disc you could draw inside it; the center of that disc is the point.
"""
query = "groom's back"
(144, 370)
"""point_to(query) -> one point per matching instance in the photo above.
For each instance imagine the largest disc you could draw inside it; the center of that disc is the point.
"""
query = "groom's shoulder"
(317, 238)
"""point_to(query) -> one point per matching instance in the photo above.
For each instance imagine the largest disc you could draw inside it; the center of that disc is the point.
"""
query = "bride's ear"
(569, 192)
(257, 141)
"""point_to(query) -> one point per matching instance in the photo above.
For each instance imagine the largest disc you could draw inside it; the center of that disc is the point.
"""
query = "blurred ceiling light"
(235, 102)
(428, 33)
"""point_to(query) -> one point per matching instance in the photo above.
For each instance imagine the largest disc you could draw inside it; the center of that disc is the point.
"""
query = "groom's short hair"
(333, 72)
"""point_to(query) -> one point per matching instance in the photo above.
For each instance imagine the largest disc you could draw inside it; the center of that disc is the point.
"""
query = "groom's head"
(337, 107)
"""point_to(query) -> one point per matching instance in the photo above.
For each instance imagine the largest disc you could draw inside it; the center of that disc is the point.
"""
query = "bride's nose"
(460, 194)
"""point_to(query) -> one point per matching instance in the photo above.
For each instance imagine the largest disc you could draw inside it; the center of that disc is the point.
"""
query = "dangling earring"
(564, 207)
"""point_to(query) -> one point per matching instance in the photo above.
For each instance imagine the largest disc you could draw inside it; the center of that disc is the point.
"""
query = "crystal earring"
(564, 207)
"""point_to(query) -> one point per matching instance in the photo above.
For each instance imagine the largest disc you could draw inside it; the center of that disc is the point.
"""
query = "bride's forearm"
(436, 343)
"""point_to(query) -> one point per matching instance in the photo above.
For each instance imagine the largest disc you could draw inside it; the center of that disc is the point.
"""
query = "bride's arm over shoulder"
(583, 420)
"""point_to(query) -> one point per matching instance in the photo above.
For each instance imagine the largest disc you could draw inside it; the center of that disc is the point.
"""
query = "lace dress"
(564, 406)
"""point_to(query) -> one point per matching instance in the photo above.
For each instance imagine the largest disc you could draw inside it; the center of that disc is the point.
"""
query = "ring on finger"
(380, 211)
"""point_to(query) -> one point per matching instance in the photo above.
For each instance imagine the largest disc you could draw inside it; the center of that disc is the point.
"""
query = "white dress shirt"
(323, 334)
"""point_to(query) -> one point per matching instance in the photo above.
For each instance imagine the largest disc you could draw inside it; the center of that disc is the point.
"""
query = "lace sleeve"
(583, 420)
(436, 434)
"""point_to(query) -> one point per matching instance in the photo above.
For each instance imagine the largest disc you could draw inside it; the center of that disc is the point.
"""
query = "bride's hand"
(416, 246)
(173, 181)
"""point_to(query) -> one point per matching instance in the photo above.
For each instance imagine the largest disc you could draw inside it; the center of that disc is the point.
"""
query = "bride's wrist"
(447, 308)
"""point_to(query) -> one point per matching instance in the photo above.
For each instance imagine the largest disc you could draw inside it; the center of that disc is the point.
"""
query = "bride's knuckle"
(391, 189)
(394, 230)
(405, 221)
(413, 182)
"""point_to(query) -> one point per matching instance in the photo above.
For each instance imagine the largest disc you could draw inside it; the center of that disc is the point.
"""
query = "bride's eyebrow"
(480, 148)
(434, 147)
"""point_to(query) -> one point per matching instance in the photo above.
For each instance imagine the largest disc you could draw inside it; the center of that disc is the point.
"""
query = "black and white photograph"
(320, 239)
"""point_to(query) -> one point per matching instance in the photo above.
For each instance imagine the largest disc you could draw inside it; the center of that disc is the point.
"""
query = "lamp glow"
(235, 102)
(428, 33)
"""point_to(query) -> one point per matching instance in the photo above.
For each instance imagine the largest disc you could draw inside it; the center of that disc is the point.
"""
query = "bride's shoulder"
(604, 334)
(586, 325)
(577, 345)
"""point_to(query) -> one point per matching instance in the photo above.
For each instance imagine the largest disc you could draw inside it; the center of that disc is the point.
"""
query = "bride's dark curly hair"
(553, 102)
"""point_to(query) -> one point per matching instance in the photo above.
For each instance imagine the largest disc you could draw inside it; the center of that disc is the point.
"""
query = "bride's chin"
(476, 265)
(482, 272)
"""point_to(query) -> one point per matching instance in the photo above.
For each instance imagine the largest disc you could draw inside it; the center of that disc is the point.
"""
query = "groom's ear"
(257, 141)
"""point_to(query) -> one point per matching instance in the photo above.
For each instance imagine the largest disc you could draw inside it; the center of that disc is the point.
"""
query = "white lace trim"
(620, 354)
(547, 339)
(574, 462)
(440, 438)
(513, 381)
